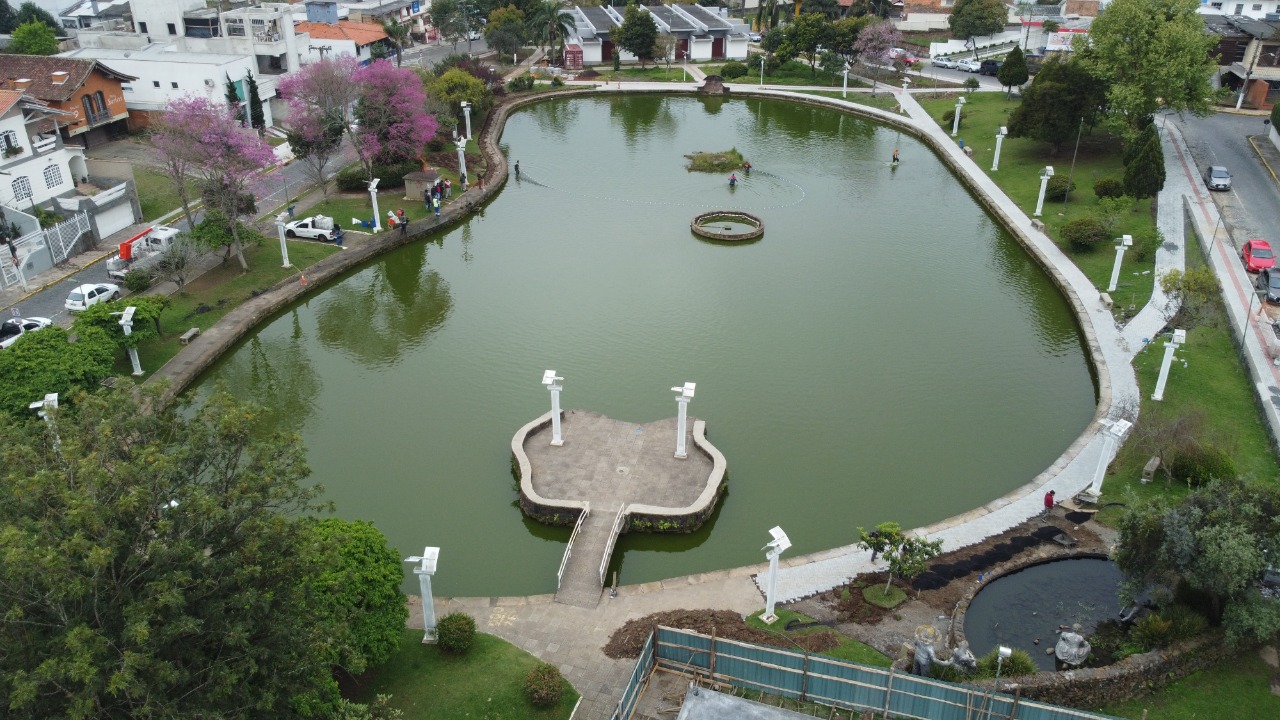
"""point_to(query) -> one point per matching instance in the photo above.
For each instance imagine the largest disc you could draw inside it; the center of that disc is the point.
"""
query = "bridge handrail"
(613, 539)
(568, 549)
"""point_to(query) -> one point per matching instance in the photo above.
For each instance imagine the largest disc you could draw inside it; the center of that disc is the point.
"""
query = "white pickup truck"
(141, 251)
(316, 227)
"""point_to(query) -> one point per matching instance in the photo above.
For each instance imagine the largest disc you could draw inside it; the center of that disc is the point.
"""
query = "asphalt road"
(431, 53)
(1252, 208)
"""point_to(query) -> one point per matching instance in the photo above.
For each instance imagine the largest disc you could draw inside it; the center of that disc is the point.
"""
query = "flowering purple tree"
(223, 157)
(393, 124)
(873, 46)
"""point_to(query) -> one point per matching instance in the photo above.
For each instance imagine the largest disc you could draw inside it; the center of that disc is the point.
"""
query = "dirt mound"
(588, 75)
(627, 641)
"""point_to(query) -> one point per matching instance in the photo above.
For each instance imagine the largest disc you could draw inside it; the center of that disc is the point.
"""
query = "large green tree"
(1215, 542)
(356, 591)
(153, 566)
(257, 117)
(974, 18)
(505, 31)
(398, 35)
(1151, 54)
(1144, 175)
(8, 19)
(1014, 70)
(48, 362)
(906, 554)
(31, 12)
(33, 38)
(637, 33)
(1062, 96)
(804, 36)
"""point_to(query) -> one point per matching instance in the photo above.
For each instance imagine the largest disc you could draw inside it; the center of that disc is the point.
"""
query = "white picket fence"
(57, 243)
(61, 238)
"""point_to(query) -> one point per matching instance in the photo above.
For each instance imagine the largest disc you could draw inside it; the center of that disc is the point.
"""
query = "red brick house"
(86, 89)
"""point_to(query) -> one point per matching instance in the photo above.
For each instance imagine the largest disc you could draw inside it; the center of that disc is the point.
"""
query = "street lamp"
(466, 111)
(775, 547)
(684, 394)
(552, 381)
(1113, 432)
(373, 195)
(955, 122)
(1180, 337)
(462, 155)
(280, 230)
(902, 101)
(1244, 325)
(126, 322)
(762, 72)
(424, 571)
(1044, 185)
(999, 141)
(844, 91)
(1126, 242)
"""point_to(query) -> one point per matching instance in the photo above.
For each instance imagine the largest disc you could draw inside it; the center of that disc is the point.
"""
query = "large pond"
(885, 352)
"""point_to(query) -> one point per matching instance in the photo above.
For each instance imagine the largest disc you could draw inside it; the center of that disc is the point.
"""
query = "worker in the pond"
(733, 179)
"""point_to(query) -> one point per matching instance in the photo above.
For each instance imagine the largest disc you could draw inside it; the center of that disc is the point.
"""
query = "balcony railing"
(44, 145)
(99, 118)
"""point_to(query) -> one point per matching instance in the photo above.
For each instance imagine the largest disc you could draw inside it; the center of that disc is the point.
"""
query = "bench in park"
(189, 335)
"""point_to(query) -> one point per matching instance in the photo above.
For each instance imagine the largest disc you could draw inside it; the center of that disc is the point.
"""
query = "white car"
(316, 227)
(14, 328)
(969, 65)
(755, 37)
(473, 35)
(86, 295)
(944, 62)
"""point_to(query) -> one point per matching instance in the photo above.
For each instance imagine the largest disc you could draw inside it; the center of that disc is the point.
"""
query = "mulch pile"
(627, 641)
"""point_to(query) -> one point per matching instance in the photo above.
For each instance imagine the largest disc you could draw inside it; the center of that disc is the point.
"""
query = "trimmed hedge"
(544, 685)
(1084, 234)
(1108, 187)
(456, 632)
(1058, 188)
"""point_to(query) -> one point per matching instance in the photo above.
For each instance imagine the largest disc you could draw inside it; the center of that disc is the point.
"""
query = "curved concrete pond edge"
(183, 369)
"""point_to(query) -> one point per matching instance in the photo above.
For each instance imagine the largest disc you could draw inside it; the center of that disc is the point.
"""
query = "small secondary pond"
(885, 352)
(1031, 604)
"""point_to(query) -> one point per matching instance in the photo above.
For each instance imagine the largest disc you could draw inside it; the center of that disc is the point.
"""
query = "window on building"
(1216, 6)
(142, 28)
(173, 29)
(1257, 8)
(52, 177)
(173, 85)
(101, 101)
(9, 139)
(21, 188)
(155, 83)
(87, 103)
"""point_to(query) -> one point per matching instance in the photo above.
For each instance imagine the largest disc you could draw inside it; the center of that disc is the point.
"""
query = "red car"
(1257, 255)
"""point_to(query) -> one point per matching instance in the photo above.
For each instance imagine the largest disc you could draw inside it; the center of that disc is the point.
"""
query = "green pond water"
(885, 352)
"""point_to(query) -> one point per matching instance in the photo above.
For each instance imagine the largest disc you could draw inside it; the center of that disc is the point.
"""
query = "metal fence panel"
(631, 694)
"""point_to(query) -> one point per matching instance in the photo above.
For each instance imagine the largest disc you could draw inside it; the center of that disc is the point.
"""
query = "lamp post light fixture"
(955, 122)
(844, 90)
(45, 407)
(684, 394)
(1126, 242)
(999, 141)
(1113, 432)
(373, 195)
(466, 112)
(552, 381)
(774, 548)
(1179, 337)
(1044, 185)
(462, 155)
(902, 100)
(424, 571)
(280, 230)
(762, 72)
(126, 322)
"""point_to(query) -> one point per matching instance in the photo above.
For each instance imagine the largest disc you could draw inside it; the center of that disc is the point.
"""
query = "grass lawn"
(653, 73)
(1239, 689)
(1021, 161)
(220, 290)
(344, 207)
(274, 141)
(157, 193)
(487, 682)
(849, 649)
(1215, 382)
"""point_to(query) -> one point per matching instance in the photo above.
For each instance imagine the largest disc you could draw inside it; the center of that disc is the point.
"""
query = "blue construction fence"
(822, 680)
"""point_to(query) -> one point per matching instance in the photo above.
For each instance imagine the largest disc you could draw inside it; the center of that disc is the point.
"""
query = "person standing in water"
(517, 169)
(895, 156)
(733, 179)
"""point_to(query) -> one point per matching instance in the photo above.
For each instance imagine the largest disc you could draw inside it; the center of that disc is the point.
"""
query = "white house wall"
(34, 171)
(333, 48)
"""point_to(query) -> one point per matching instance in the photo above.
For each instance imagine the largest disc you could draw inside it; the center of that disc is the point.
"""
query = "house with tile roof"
(87, 91)
(344, 37)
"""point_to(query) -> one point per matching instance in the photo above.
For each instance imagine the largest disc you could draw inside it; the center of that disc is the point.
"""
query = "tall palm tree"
(398, 33)
(551, 21)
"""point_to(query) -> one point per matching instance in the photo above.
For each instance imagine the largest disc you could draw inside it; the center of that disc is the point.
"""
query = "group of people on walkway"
(438, 193)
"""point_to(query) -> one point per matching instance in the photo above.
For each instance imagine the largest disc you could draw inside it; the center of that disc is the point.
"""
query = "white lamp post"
(424, 571)
(1044, 185)
(1179, 337)
(1001, 655)
(126, 322)
(844, 91)
(775, 547)
(955, 122)
(552, 381)
(762, 72)
(45, 407)
(462, 155)
(1126, 242)
(902, 100)
(999, 141)
(466, 112)
(1113, 431)
(684, 394)
(373, 195)
(284, 249)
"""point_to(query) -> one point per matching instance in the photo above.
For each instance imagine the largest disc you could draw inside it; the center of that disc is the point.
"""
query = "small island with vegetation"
(717, 162)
